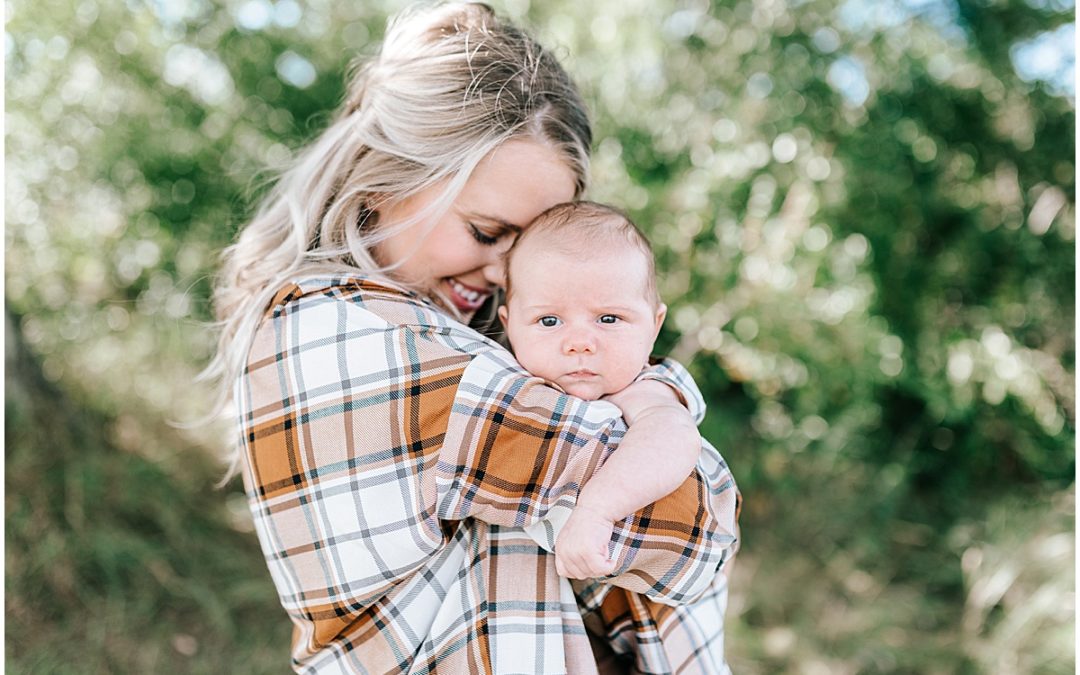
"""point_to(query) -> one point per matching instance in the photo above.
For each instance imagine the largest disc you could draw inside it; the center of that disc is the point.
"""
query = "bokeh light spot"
(295, 70)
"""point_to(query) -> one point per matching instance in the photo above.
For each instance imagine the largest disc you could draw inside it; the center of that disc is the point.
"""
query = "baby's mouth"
(466, 298)
(582, 373)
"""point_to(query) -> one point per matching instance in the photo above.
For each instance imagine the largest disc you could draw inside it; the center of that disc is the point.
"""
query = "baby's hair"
(574, 227)
(450, 84)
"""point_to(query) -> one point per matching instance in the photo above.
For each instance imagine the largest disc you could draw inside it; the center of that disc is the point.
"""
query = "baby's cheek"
(629, 366)
(536, 362)
(621, 380)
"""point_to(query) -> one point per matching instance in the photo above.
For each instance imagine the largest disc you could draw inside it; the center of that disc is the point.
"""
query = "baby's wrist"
(589, 507)
(674, 419)
(645, 397)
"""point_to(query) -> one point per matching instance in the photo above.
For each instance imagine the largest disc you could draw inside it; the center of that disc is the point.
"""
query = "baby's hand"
(581, 551)
(645, 395)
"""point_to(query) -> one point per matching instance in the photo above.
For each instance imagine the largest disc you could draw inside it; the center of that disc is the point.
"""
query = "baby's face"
(584, 322)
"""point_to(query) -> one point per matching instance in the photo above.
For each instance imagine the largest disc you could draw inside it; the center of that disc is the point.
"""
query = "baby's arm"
(657, 453)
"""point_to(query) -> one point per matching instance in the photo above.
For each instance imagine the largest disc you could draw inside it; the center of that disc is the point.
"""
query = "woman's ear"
(369, 213)
(373, 200)
(661, 314)
(503, 315)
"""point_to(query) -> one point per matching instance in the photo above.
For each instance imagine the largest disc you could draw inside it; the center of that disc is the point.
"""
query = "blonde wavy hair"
(449, 84)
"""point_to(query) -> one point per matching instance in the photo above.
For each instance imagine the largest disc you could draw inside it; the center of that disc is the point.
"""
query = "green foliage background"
(865, 223)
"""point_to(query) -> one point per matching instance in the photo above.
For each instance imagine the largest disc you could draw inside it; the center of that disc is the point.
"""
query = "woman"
(406, 477)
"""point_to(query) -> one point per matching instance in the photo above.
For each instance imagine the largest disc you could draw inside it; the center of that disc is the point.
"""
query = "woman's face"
(462, 255)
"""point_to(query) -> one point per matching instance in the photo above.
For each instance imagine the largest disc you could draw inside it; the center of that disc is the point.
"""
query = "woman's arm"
(517, 449)
(364, 436)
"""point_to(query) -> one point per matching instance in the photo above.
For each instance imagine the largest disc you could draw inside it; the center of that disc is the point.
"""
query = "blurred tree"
(111, 564)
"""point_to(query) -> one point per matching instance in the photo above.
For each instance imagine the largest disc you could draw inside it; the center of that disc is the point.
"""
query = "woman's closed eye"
(549, 321)
(482, 237)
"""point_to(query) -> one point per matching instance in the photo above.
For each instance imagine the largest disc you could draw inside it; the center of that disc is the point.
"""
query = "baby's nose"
(580, 343)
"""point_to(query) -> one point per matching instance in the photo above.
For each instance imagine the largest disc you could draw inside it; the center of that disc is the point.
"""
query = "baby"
(582, 311)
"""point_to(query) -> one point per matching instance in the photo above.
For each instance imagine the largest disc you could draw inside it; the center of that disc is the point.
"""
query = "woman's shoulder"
(372, 294)
(370, 302)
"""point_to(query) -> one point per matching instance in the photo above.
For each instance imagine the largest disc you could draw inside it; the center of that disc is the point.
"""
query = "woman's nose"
(494, 266)
(495, 272)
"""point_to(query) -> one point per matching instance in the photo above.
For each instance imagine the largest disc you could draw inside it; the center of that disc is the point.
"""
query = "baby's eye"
(608, 318)
(549, 321)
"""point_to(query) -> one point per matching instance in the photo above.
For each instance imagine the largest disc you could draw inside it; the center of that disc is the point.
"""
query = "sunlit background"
(864, 218)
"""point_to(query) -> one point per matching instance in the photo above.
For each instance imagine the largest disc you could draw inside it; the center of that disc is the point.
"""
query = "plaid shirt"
(408, 480)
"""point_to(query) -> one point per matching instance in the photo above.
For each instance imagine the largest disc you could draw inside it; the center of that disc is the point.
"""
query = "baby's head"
(582, 308)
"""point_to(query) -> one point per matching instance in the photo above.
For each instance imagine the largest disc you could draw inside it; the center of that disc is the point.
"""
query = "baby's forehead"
(606, 253)
(613, 268)
(595, 248)
(589, 236)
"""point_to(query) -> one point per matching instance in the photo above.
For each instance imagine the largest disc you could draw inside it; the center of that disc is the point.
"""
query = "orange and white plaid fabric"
(408, 480)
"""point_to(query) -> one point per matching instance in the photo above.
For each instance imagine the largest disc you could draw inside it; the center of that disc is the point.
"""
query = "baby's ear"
(503, 315)
(661, 314)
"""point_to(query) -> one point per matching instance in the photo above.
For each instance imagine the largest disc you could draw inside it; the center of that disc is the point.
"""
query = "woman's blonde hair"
(450, 83)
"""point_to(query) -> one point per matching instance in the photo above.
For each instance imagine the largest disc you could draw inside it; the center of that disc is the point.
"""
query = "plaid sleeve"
(660, 638)
(672, 373)
(663, 636)
(670, 550)
(517, 452)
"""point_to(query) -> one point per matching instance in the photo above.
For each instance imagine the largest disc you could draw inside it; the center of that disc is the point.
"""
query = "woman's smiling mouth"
(466, 298)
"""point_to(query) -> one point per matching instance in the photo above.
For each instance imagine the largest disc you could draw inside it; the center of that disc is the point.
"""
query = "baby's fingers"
(598, 565)
(585, 565)
(579, 564)
(565, 566)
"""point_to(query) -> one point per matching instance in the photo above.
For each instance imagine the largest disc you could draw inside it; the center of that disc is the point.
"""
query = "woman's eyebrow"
(516, 229)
